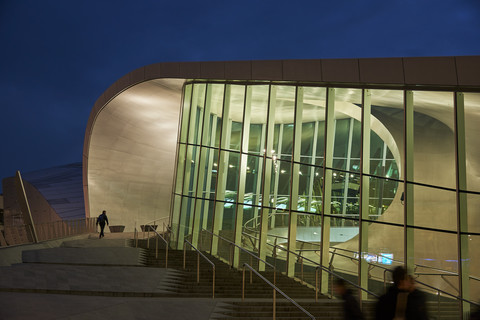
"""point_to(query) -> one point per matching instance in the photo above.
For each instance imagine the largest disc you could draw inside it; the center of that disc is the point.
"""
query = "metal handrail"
(153, 221)
(448, 294)
(317, 266)
(148, 227)
(243, 249)
(275, 289)
(446, 272)
(198, 263)
(156, 247)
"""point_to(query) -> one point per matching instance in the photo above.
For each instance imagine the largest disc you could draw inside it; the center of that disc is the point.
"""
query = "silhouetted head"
(339, 286)
(399, 276)
(104, 212)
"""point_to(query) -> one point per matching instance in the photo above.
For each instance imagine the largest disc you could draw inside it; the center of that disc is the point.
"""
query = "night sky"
(58, 57)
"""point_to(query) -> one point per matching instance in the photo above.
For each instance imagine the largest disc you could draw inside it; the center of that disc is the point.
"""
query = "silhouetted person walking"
(351, 308)
(101, 220)
(402, 301)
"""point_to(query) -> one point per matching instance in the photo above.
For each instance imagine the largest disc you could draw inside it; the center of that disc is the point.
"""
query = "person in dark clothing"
(101, 220)
(416, 302)
(402, 300)
(475, 315)
(351, 308)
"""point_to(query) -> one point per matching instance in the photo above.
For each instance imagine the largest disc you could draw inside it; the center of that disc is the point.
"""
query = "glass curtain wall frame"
(385, 189)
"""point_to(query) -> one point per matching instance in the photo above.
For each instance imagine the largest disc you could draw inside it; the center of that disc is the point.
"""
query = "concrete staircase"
(258, 302)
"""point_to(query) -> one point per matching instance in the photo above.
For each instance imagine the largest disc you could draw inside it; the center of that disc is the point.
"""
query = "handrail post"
(316, 284)
(148, 236)
(301, 267)
(184, 254)
(198, 267)
(166, 258)
(213, 284)
(251, 276)
(243, 284)
(231, 256)
(331, 284)
(274, 276)
(438, 304)
(384, 280)
(274, 303)
(156, 247)
(275, 254)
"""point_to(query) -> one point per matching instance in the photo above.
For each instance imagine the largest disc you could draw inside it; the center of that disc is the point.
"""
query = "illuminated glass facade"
(357, 180)
(342, 170)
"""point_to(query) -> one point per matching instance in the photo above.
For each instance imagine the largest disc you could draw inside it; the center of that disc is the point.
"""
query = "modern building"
(355, 164)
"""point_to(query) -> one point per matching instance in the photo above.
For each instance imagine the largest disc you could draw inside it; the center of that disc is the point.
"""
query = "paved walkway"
(89, 278)
(53, 306)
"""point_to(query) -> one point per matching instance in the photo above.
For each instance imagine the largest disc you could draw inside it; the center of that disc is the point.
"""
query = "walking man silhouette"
(101, 220)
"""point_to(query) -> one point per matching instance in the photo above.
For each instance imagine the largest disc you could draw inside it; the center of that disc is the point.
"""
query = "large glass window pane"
(344, 258)
(190, 175)
(384, 200)
(177, 203)
(319, 153)
(307, 246)
(209, 174)
(253, 180)
(472, 119)
(187, 99)
(284, 117)
(347, 128)
(435, 208)
(345, 194)
(258, 119)
(313, 128)
(387, 127)
(317, 191)
(216, 110)
(186, 217)
(196, 113)
(473, 212)
(474, 270)
(385, 251)
(280, 184)
(237, 102)
(180, 168)
(233, 170)
(214, 101)
(436, 260)
(305, 187)
(307, 143)
(434, 142)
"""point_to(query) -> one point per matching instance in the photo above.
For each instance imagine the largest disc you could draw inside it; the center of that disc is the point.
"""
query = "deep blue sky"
(57, 57)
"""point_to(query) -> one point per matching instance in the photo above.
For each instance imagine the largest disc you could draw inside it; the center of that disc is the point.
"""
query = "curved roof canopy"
(130, 141)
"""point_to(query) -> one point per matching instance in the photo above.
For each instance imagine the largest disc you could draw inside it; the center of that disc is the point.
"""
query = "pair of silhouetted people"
(403, 301)
(101, 220)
